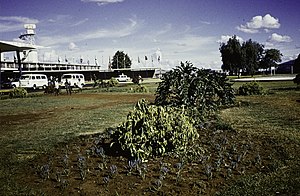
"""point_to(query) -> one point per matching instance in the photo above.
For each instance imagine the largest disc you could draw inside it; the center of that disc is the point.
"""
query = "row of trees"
(247, 57)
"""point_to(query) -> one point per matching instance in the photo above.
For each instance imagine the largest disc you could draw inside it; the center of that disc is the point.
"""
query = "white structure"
(28, 37)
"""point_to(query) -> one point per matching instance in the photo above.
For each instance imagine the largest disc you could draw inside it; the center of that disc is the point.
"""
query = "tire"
(13, 86)
(34, 87)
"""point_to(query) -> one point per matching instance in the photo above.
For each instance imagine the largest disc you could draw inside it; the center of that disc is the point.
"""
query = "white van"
(75, 80)
(33, 81)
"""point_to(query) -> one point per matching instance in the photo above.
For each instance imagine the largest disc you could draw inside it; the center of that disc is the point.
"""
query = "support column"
(0, 68)
(19, 62)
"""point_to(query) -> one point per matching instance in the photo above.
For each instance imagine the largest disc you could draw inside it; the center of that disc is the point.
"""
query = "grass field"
(32, 128)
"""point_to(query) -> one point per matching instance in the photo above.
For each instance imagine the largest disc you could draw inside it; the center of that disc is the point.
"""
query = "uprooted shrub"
(152, 130)
(297, 79)
(202, 91)
(252, 88)
(18, 93)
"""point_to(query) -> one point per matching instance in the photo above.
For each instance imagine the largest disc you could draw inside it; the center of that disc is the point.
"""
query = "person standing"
(56, 87)
(68, 87)
(79, 85)
(95, 80)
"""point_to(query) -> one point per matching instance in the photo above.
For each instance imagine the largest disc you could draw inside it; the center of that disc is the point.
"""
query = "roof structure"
(6, 46)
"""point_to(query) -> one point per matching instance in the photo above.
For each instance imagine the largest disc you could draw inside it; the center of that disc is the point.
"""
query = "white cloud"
(60, 18)
(72, 46)
(225, 38)
(102, 2)
(205, 22)
(260, 22)
(123, 31)
(276, 38)
(18, 19)
(49, 55)
(15, 23)
(79, 22)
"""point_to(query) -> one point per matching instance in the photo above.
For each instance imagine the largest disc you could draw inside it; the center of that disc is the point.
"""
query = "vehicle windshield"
(66, 76)
(15, 80)
(24, 77)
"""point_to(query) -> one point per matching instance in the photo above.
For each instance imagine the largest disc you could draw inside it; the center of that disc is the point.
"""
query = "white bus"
(75, 80)
(34, 81)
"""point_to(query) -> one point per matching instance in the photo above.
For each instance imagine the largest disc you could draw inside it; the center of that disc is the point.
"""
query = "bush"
(112, 82)
(154, 130)
(252, 88)
(18, 93)
(141, 89)
(297, 79)
(106, 84)
(203, 91)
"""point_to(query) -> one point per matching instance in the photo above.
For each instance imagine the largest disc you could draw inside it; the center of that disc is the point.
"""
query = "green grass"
(272, 120)
(271, 86)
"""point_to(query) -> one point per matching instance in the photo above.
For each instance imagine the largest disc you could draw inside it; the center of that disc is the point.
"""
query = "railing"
(47, 66)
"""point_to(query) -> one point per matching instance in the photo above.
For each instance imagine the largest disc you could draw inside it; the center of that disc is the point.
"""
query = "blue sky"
(175, 30)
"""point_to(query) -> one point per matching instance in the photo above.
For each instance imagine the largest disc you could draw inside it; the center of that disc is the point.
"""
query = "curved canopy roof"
(6, 46)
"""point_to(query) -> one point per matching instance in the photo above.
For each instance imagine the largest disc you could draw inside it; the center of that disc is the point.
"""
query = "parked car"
(123, 78)
(34, 81)
(11, 83)
(74, 79)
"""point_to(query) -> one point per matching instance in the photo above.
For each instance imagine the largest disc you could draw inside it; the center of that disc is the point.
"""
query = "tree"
(231, 55)
(121, 60)
(270, 58)
(251, 55)
(297, 65)
(203, 91)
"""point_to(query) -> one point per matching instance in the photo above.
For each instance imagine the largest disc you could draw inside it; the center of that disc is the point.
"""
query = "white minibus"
(74, 79)
(34, 81)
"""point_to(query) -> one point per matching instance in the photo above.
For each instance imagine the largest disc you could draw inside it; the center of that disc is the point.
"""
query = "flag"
(158, 58)
(146, 58)
(139, 60)
(96, 61)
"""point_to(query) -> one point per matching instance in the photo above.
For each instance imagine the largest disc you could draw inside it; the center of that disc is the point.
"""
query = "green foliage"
(18, 93)
(155, 130)
(252, 53)
(270, 58)
(202, 91)
(231, 55)
(248, 57)
(297, 79)
(252, 88)
(141, 89)
(112, 82)
(121, 60)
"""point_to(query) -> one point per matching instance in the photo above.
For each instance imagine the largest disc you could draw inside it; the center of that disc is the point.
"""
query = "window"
(67, 77)
(38, 77)
(33, 77)
(24, 77)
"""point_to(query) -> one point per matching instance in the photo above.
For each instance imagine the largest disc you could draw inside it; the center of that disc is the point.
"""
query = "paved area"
(265, 79)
